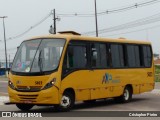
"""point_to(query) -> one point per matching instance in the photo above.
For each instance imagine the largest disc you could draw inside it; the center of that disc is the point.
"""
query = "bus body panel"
(46, 96)
(90, 84)
(49, 96)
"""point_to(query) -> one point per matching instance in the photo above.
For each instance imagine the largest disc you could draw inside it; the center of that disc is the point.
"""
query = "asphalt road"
(149, 101)
(3, 86)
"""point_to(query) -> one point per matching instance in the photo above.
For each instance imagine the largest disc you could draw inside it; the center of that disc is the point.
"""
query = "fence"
(3, 71)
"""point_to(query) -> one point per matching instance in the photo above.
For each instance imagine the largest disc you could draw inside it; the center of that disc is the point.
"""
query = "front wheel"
(24, 107)
(66, 103)
(126, 96)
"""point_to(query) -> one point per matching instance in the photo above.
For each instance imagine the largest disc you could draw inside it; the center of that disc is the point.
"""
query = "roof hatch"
(69, 32)
(122, 38)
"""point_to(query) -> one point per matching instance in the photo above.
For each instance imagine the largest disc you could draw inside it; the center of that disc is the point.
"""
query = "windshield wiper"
(40, 62)
(35, 55)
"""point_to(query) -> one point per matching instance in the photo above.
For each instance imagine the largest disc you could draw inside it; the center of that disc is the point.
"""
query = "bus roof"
(77, 36)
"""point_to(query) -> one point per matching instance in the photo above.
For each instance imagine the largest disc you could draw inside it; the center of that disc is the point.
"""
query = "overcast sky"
(22, 14)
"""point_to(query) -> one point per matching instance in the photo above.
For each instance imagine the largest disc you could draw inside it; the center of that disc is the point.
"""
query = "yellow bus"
(58, 70)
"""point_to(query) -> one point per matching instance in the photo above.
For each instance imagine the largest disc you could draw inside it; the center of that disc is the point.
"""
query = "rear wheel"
(24, 107)
(126, 96)
(66, 103)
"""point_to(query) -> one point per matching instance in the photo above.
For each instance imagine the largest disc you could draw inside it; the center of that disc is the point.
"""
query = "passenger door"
(76, 73)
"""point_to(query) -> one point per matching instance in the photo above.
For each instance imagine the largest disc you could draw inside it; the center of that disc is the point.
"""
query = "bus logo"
(18, 82)
(106, 78)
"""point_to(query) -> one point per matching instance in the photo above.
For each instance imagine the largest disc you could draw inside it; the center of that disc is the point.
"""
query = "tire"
(66, 103)
(24, 107)
(125, 97)
(89, 101)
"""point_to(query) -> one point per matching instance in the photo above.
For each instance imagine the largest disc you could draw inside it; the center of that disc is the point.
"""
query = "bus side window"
(117, 55)
(104, 55)
(95, 55)
(135, 56)
(147, 56)
(141, 55)
(100, 55)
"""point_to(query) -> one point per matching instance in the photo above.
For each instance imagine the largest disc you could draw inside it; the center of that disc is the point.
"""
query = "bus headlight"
(10, 84)
(50, 84)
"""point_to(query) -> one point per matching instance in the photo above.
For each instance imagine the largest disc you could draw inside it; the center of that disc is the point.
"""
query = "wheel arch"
(130, 87)
(70, 90)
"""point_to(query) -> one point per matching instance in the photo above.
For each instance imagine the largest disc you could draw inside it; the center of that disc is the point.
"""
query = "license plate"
(27, 101)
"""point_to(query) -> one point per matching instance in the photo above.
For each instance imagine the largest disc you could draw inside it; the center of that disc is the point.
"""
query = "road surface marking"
(3, 99)
(3, 94)
(156, 91)
(5, 81)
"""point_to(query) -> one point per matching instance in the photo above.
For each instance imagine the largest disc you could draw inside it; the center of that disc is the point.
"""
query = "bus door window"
(76, 57)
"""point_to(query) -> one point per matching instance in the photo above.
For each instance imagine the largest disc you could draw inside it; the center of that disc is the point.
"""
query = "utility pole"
(9, 62)
(96, 18)
(54, 22)
(5, 43)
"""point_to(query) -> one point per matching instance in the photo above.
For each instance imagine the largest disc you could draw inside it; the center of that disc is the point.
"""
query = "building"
(3, 64)
(157, 62)
(156, 56)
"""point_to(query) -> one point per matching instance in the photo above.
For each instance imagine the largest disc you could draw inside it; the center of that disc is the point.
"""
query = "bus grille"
(28, 88)
(27, 97)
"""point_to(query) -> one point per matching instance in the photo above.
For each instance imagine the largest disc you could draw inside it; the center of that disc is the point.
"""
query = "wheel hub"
(126, 95)
(65, 101)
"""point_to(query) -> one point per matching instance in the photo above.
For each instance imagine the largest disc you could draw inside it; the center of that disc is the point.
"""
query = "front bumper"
(46, 97)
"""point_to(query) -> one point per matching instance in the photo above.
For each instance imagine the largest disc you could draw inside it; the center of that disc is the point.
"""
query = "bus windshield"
(38, 55)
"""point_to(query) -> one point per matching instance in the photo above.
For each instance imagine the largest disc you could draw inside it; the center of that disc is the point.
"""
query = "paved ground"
(3, 87)
(3, 78)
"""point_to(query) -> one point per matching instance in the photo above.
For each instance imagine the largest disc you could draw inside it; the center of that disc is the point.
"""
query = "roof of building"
(157, 62)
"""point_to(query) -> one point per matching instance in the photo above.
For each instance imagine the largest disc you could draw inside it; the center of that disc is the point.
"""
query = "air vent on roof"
(69, 33)
(122, 38)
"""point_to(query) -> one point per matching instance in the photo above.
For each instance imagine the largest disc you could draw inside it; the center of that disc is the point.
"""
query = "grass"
(157, 72)
(157, 78)
(157, 68)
